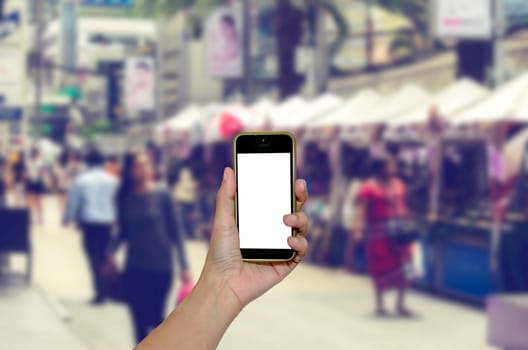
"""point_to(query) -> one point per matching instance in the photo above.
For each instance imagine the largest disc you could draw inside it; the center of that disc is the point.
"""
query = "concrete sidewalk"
(28, 321)
(315, 308)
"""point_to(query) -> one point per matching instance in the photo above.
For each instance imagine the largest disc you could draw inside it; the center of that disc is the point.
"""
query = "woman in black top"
(146, 223)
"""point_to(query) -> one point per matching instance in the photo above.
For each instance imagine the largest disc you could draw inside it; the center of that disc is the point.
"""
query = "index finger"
(301, 194)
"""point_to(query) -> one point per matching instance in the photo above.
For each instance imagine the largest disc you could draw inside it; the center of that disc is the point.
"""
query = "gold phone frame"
(293, 179)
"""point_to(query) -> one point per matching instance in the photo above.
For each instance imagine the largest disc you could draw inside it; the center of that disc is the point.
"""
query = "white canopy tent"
(313, 110)
(287, 107)
(402, 101)
(450, 100)
(184, 114)
(196, 117)
(263, 105)
(521, 111)
(359, 104)
(500, 104)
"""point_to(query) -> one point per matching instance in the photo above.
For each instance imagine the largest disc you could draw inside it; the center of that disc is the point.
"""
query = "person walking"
(146, 223)
(3, 178)
(90, 203)
(18, 170)
(382, 198)
(35, 184)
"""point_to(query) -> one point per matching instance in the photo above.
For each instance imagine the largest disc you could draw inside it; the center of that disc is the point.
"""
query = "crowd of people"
(367, 195)
(112, 201)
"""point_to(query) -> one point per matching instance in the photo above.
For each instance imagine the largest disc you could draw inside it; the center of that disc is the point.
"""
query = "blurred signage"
(139, 84)
(12, 66)
(463, 19)
(9, 24)
(224, 35)
(109, 3)
(69, 33)
(10, 113)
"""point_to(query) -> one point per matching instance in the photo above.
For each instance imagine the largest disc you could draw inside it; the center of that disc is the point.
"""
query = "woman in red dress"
(383, 197)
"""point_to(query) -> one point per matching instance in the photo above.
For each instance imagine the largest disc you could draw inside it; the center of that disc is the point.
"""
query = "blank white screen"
(264, 197)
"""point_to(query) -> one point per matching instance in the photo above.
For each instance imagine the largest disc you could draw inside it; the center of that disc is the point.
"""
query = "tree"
(415, 10)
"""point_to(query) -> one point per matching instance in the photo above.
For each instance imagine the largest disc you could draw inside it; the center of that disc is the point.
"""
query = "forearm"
(199, 322)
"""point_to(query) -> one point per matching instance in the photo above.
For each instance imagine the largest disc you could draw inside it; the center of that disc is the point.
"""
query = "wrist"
(219, 291)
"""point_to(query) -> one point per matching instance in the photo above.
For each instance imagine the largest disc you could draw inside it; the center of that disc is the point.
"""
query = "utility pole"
(160, 70)
(321, 52)
(247, 80)
(39, 28)
(369, 29)
(498, 46)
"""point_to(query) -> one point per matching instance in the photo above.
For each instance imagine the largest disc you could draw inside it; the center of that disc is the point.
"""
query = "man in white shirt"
(91, 204)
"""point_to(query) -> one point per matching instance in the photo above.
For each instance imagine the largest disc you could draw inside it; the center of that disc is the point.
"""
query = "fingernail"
(292, 219)
(225, 174)
(303, 184)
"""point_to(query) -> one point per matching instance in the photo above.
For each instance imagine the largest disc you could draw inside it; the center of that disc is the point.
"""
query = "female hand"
(247, 281)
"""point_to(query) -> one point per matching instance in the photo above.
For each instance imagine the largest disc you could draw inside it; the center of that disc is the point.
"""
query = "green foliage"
(403, 46)
(415, 10)
(167, 8)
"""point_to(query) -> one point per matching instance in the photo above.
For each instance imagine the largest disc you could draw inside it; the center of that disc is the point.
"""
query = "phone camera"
(263, 140)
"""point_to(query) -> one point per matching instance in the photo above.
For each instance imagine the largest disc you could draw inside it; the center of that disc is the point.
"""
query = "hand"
(247, 281)
(186, 276)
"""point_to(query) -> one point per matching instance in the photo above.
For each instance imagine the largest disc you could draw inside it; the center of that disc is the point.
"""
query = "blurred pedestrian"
(146, 223)
(3, 177)
(381, 198)
(227, 283)
(18, 171)
(35, 172)
(434, 140)
(61, 179)
(112, 166)
(91, 204)
(377, 145)
(186, 196)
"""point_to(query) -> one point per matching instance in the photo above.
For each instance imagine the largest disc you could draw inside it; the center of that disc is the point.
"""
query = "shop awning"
(502, 104)
(449, 101)
(353, 108)
(313, 110)
(401, 102)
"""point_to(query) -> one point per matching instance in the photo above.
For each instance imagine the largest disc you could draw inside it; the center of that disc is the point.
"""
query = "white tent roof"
(355, 107)
(402, 101)
(315, 109)
(291, 105)
(499, 105)
(183, 116)
(521, 112)
(196, 117)
(450, 100)
(264, 106)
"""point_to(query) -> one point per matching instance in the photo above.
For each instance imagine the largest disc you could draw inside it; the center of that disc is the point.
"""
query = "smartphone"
(265, 178)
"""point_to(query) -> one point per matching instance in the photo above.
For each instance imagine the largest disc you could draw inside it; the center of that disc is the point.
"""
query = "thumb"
(225, 201)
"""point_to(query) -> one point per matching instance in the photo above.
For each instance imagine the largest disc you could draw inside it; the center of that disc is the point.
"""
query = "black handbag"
(402, 230)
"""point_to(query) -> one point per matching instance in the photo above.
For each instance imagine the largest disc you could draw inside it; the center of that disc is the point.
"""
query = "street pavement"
(314, 308)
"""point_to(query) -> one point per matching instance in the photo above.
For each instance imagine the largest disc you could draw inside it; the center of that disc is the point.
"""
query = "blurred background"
(437, 88)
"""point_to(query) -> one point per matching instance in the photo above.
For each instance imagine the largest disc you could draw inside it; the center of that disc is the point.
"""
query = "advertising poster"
(224, 35)
(139, 84)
